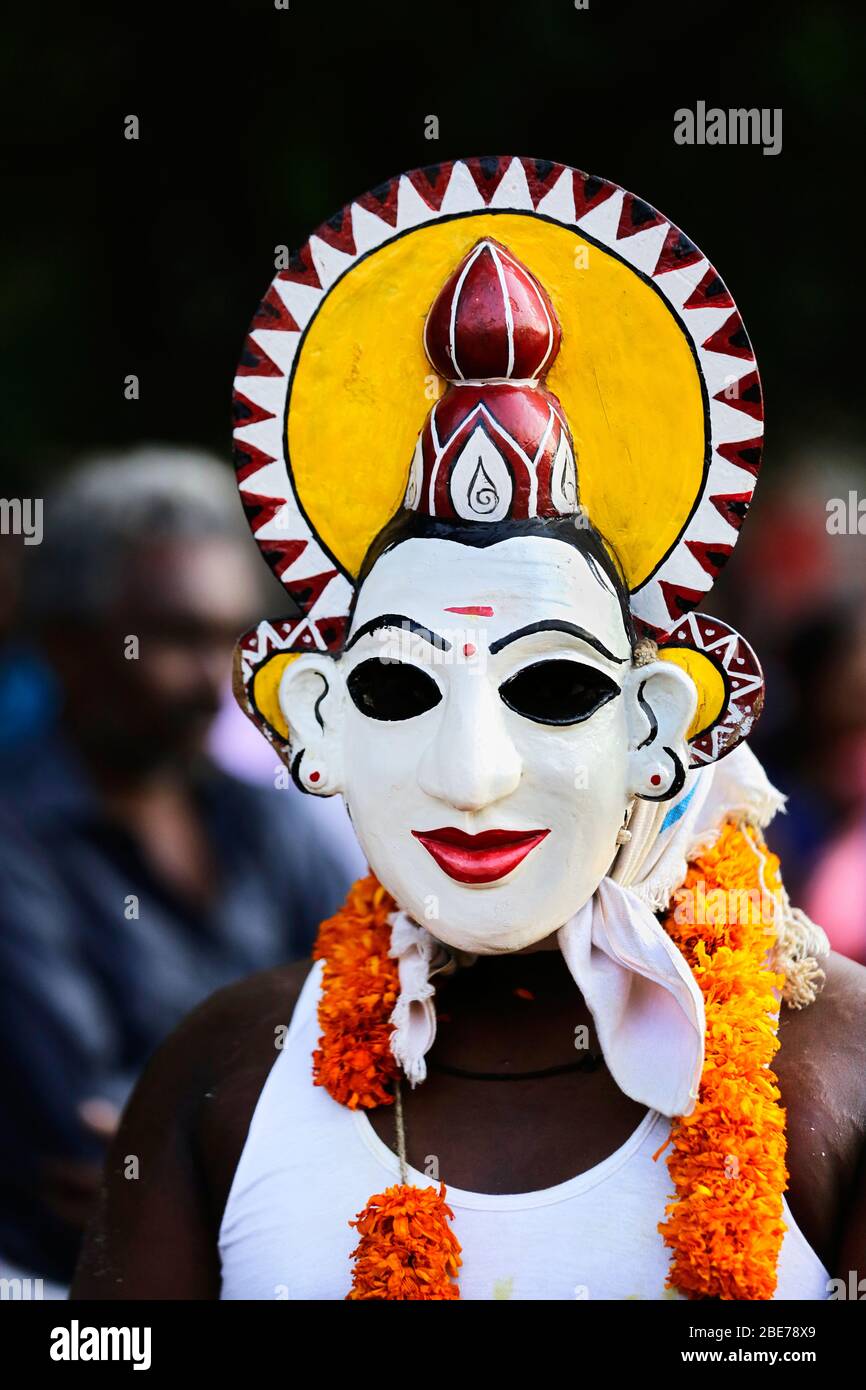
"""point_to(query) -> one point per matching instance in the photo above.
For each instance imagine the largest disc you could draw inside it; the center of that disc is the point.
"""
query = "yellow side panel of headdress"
(708, 682)
(625, 375)
(265, 691)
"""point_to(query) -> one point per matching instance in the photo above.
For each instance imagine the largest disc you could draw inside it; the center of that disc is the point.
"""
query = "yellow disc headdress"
(605, 371)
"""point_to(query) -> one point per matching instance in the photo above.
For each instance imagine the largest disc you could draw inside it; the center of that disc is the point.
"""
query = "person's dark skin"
(140, 722)
(155, 1236)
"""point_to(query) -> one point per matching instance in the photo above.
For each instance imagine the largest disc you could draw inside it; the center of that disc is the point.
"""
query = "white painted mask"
(489, 731)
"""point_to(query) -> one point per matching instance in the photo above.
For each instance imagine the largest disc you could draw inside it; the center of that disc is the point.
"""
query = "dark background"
(256, 124)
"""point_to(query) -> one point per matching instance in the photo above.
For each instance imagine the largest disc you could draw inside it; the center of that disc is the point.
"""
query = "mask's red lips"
(479, 858)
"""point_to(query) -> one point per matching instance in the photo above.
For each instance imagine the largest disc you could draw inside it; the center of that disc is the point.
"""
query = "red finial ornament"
(497, 444)
(490, 320)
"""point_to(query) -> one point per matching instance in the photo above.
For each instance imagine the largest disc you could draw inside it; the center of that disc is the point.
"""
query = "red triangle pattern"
(711, 293)
(273, 642)
(589, 193)
(255, 361)
(248, 459)
(647, 629)
(273, 314)
(676, 252)
(745, 454)
(332, 632)
(733, 506)
(260, 510)
(637, 216)
(678, 599)
(431, 183)
(748, 397)
(488, 174)
(301, 269)
(304, 641)
(337, 232)
(731, 339)
(710, 555)
(541, 175)
(382, 201)
(308, 590)
(281, 555)
(246, 412)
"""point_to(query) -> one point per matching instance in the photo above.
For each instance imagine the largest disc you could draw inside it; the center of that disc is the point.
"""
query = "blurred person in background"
(810, 629)
(837, 889)
(28, 689)
(136, 875)
(824, 833)
(817, 746)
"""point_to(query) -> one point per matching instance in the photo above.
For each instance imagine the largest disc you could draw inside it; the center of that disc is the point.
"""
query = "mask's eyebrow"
(556, 625)
(398, 620)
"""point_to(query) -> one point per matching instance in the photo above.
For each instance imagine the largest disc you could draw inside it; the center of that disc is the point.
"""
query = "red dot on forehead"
(469, 650)
(473, 610)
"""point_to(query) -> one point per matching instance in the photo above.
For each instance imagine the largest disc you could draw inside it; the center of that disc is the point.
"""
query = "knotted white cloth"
(414, 1017)
(645, 1002)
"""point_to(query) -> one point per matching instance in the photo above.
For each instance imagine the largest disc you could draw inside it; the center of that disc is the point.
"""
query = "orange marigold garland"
(728, 1158)
(725, 1227)
(407, 1249)
(360, 985)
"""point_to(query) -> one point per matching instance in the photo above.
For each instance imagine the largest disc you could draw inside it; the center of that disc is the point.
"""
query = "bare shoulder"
(234, 1031)
(821, 1068)
(831, 1032)
(180, 1139)
(221, 1057)
(242, 1029)
(240, 1014)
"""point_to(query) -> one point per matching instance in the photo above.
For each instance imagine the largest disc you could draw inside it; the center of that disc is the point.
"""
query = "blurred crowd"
(797, 591)
(151, 850)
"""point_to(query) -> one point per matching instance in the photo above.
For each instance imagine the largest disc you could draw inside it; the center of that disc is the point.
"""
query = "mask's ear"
(661, 701)
(312, 696)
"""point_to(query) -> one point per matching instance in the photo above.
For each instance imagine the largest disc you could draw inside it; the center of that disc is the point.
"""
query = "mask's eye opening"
(392, 690)
(558, 691)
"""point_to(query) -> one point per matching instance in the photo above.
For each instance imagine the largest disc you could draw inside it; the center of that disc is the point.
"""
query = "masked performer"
(498, 426)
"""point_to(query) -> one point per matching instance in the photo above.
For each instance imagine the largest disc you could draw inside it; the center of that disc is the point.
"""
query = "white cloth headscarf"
(645, 1002)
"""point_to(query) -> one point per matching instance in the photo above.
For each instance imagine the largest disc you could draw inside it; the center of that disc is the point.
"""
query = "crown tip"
(491, 320)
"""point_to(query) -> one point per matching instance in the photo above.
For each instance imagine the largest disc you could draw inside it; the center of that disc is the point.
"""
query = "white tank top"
(309, 1165)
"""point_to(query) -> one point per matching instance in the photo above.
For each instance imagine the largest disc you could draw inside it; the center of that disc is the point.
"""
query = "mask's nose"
(472, 761)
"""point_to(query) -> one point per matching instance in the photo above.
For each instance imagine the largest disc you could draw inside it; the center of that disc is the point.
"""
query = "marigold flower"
(407, 1249)
(727, 1159)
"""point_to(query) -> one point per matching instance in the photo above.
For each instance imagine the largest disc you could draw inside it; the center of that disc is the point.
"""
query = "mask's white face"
(483, 725)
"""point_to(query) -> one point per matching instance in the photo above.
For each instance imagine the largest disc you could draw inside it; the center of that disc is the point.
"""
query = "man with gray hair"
(135, 875)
